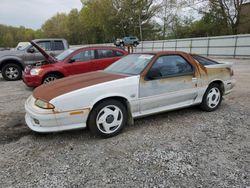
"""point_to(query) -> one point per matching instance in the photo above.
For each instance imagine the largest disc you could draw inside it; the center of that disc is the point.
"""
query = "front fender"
(12, 58)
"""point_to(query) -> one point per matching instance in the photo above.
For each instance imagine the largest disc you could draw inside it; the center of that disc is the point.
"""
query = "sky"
(33, 13)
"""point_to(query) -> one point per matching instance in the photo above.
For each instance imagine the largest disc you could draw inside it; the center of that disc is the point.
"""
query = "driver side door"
(81, 62)
(170, 83)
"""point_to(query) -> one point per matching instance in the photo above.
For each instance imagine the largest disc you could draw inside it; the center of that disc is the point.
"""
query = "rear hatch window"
(204, 61)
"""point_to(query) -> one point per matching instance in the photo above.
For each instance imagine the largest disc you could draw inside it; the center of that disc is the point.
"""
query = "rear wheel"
(11, 72)
(108, 118)
(135, 44)
(51, 77)
(212, 98)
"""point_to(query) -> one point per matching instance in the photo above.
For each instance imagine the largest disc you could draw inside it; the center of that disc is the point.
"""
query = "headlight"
(43, 104)
(35, 71)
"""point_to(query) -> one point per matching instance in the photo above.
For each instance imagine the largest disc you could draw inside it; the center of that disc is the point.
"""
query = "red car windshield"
(64, 54)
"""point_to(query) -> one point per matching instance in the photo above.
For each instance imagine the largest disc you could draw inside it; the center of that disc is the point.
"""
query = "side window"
(46, 45)
(172, 65)
(84, 55)
(117, 53)
(105, 53)
(204, 61)
(58, 45)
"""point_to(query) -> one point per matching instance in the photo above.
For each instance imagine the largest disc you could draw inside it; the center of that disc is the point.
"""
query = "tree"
(136, 16)
(56, 26)
(168, 13)
(230, 10)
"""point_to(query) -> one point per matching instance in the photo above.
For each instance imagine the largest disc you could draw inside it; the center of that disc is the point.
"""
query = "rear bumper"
(228, 86)
(32, 81)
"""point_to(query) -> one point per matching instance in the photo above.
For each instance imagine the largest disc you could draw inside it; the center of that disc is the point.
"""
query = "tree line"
(101, 21)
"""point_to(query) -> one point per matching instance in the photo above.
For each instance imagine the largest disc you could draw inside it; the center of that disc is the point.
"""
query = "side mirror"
(71, 61)
(153, 74)
(31, 50)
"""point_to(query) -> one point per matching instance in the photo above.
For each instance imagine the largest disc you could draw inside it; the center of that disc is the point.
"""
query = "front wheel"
(108, 118)
(50, 77)
(212, 98)
(11, 72)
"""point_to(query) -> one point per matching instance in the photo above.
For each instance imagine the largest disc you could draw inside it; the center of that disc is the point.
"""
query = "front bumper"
(32, 81)
(43, 120)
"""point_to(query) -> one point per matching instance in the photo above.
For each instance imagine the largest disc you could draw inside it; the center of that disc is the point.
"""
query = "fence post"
(163, 45)
(141, 46)
(191, 43)
(153, 45)
(175, 44)
(235, 45)
(208, 45)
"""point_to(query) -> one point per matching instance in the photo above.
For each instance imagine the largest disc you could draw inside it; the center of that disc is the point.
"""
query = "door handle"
(194, 80)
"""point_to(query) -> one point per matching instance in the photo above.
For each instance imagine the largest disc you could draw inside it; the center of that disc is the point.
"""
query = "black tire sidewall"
(93, 115)
(204, 106)
(51, 75)
(12, 65)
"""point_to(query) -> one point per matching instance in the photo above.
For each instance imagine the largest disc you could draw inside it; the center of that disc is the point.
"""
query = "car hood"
(47, 92)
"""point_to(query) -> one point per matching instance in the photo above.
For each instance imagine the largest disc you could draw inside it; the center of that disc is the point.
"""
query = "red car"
(70, 62)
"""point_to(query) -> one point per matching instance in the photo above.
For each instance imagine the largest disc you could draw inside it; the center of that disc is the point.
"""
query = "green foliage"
(102, 21)
(10, 36)
(55, 26)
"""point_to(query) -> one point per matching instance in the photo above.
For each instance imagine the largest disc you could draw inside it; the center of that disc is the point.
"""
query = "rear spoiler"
(221, 65)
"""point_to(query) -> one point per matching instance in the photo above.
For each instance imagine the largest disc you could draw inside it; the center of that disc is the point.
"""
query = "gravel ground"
(184, 148)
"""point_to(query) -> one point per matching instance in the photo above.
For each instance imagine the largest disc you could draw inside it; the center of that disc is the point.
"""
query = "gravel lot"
(184, 148)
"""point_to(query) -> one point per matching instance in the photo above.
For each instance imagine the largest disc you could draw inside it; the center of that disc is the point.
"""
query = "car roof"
(97, 47)
(163, 53)
(49, 39)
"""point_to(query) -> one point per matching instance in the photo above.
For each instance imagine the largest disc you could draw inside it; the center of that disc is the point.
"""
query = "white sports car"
(137, 85)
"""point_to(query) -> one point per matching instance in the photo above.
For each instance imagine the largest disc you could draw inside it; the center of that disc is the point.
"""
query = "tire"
(212, 98)
(110, 123)
(121, 44)
(12, 72)
(51, 77)
(135, 44)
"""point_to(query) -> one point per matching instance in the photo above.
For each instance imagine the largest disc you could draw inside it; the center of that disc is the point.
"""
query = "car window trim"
(174, 75)
(51, 45)
(104, 57)
(83, 61)
(54, 45)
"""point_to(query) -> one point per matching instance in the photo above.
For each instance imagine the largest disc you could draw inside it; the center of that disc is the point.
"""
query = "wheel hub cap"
(12, 72)
(213, 97)
(109, 119)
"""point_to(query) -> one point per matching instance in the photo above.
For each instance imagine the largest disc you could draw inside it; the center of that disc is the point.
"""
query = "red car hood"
(47, 92)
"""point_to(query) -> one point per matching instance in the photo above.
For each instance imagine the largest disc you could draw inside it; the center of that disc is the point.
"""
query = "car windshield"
(64, 54)
(131, 64)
